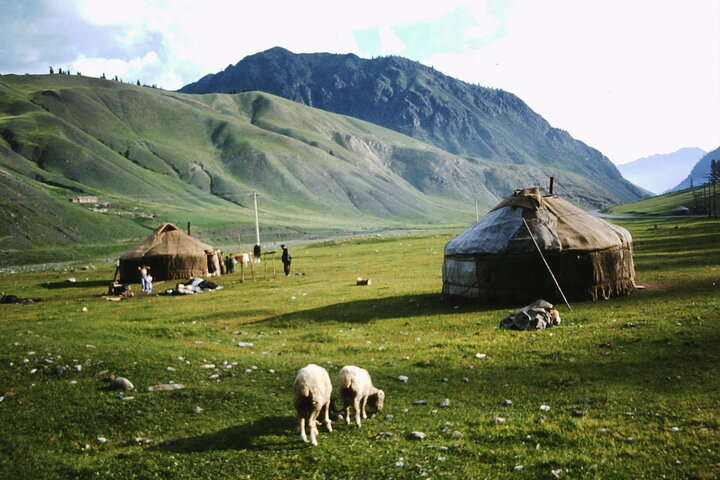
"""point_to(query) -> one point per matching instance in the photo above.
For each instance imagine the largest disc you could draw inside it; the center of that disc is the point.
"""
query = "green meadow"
(628, 387)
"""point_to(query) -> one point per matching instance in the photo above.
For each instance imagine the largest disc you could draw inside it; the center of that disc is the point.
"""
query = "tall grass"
(631, 382)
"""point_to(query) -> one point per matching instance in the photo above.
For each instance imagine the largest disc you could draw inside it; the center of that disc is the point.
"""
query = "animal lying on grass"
(356, 391)
(312, 393)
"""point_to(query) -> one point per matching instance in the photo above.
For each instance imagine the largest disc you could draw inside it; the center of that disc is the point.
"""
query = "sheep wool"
(312, 394)
(357, 390)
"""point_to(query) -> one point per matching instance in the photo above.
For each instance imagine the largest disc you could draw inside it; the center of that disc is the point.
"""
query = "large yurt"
(500, 258)
(170, 253)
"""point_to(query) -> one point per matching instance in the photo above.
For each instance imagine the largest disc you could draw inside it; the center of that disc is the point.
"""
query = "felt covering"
(169, 252)
(496, 259)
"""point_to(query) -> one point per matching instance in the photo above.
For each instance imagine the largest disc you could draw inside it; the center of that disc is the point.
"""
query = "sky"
(631, 78)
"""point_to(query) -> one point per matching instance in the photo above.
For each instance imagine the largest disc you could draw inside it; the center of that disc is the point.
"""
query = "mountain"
(659, 173)
(418, 101)
(699, 173)
(152, 156)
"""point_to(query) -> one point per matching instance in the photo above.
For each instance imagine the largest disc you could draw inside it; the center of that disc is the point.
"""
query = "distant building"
(84, 199)
(680, 210)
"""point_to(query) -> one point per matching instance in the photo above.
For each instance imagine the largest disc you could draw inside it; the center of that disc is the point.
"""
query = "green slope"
(163, 156)
(700, 200)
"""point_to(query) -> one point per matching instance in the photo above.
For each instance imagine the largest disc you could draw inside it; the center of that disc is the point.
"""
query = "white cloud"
(390, 43)
(129, 71)
(629, 78)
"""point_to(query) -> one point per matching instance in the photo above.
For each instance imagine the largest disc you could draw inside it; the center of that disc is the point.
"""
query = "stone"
(445, 403)
(121, 383)
(402, 378)
(166, 387)
(417, 435)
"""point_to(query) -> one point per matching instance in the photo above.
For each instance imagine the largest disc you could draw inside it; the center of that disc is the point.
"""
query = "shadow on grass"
(66, 284)
(369, 310)
(270, 433)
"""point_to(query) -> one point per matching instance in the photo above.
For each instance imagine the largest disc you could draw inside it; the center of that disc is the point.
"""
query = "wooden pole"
(273, 266)
(257, 220)
(546, 264)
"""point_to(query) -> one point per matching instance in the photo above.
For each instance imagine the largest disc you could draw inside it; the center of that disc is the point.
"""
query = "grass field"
(632, 383)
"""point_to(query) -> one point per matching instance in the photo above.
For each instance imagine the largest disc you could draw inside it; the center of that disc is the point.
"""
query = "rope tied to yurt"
(532, 237)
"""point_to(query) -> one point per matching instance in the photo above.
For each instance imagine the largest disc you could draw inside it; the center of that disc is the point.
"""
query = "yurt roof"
(556, 225)
(167, 239)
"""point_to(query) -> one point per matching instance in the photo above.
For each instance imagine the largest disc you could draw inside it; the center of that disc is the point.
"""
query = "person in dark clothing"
(230, 264)
(286, 259)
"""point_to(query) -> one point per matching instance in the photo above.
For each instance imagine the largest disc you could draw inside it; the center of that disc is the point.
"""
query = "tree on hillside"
(714, 175)
(51, 70)
(714, 178)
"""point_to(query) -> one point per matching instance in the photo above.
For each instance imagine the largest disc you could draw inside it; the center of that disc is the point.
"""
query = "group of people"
(145, 278)
(216, 267)
(219, 266)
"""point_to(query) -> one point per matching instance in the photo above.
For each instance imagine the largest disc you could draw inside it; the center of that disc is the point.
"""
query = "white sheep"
(312, 393)
(356, 390)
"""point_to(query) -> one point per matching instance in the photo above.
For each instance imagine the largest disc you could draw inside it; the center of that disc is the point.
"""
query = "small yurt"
(499, 258)
(170, 253)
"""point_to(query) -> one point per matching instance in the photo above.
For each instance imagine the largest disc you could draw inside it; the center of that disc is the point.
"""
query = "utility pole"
(257, 221)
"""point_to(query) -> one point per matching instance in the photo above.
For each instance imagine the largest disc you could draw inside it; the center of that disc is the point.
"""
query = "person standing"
(230, 264)
(286, 259)
(145, 278)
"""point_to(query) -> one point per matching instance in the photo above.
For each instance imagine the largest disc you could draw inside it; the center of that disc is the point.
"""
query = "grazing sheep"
(312, 392)
(356, 390)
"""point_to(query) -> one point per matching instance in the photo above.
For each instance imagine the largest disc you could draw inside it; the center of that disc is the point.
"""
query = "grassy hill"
(157, 156)
(664, 204)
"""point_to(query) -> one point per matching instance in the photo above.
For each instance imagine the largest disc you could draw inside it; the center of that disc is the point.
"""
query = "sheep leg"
(347, 413)
(364, 403)
(302, 430)
(313, 427)
(328, 423)
(356, 406)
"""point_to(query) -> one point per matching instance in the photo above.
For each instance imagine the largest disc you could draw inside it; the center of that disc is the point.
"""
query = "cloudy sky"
(629, 77)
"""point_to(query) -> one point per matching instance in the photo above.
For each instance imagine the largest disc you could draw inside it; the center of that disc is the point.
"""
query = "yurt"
(169, 252)
(500, 258)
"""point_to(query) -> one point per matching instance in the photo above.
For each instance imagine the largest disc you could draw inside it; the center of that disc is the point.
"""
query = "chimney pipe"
(189, 229)
(552, 185)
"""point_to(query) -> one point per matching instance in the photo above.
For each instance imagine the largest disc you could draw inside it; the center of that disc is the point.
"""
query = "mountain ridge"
(418, 101)
(699, 173)
(660, 172)
(156, 156)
